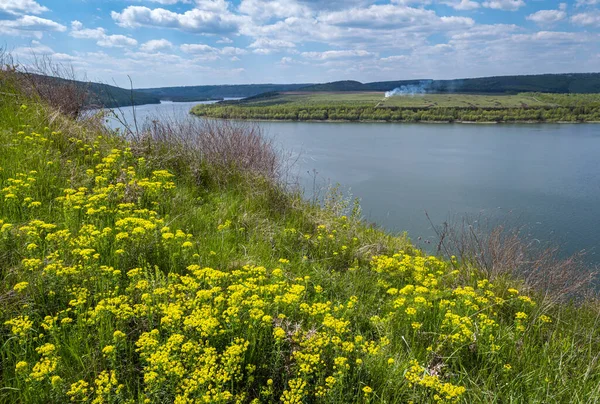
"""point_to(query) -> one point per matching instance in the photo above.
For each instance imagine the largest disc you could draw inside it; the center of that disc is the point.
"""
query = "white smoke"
(409, 90)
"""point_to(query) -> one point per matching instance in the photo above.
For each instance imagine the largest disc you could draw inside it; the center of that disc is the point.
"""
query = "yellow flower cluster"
(417, 375)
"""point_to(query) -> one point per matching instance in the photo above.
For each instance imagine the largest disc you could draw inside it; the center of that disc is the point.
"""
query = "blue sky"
(191, 42)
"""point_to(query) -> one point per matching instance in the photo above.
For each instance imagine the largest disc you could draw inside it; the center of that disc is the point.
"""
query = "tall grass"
(229, 148)
(505, 251)
(174, 268)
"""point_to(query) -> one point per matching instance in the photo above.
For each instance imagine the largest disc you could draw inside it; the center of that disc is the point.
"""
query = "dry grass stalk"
(501, 251)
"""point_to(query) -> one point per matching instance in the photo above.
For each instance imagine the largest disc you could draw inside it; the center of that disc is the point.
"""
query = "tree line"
(571, 113)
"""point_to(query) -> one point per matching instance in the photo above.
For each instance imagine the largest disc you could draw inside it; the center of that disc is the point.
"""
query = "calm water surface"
(543, 177)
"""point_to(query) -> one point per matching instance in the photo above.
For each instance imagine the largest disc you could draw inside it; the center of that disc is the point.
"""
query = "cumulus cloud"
(337, 54)
(266, 46)
(29, 25)
(591, 18)
(166, 2)
(156, 45)
(463, 5)
(197, 48)
(394, 59)
(101, 37)
(208, 52)
(19, 7)
(543, 17)
(230, 50)
(391, 16)
(505, 5)
(582, 3)
(213, 18)
(334, 4)
(261, 10)
(35, 48)
(554, 37)
(117, 41)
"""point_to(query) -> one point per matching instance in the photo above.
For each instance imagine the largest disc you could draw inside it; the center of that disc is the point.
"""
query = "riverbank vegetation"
(373, 106)
(175, 265)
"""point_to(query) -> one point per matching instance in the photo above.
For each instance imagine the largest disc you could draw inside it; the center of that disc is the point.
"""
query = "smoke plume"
(410, 89)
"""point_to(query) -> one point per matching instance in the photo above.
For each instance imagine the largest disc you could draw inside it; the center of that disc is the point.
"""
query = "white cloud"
(261, 10)
(77, 31)
(167, 2)
(463, 5)
(582, 3)
(30, 25)
(396, 17)
(336, 54)
(76, 25)
(18, 7)
(207, 52)
(484, 33)
(271, 44)
(156, 45)
(213, 19)
(554, 37)
(394, 59)
(267, 46)
(34, 48)
(230, 50)
(505, 5)
(197, 48)
(224, 40)
(116, 41)
(101, 37)
(544, 17)
(591, 18)
(334, 4)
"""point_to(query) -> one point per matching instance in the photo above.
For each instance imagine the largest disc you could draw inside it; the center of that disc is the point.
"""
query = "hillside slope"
(152, 273)
(96, 94)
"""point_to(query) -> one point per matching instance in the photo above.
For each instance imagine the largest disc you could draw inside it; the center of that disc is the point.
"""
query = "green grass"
(464, 101)
(373, 106)
(127, 277)
(415, 101)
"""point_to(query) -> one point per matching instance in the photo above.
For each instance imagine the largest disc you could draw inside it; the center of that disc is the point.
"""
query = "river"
(544, 177)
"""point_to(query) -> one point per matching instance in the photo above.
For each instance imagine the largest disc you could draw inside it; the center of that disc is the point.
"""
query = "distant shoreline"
(398, 122)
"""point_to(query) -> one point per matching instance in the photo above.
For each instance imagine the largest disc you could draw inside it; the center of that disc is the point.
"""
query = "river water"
(544, 177)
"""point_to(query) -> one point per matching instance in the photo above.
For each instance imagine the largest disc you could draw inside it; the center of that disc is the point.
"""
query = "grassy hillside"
(152, 271)
(373, 106)
(94, 94)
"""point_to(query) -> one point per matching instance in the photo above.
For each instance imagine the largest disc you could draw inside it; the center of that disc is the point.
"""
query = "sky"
(192, 42)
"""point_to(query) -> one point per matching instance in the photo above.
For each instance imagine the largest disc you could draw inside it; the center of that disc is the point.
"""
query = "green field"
(298, 99)
(463, 100)
(378, 99)
(374, 106)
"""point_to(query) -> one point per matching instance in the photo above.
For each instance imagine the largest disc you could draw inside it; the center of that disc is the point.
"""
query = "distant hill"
(346, 85)
(545, 83)
(202, 93)
(96, 94)
(111, 97)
